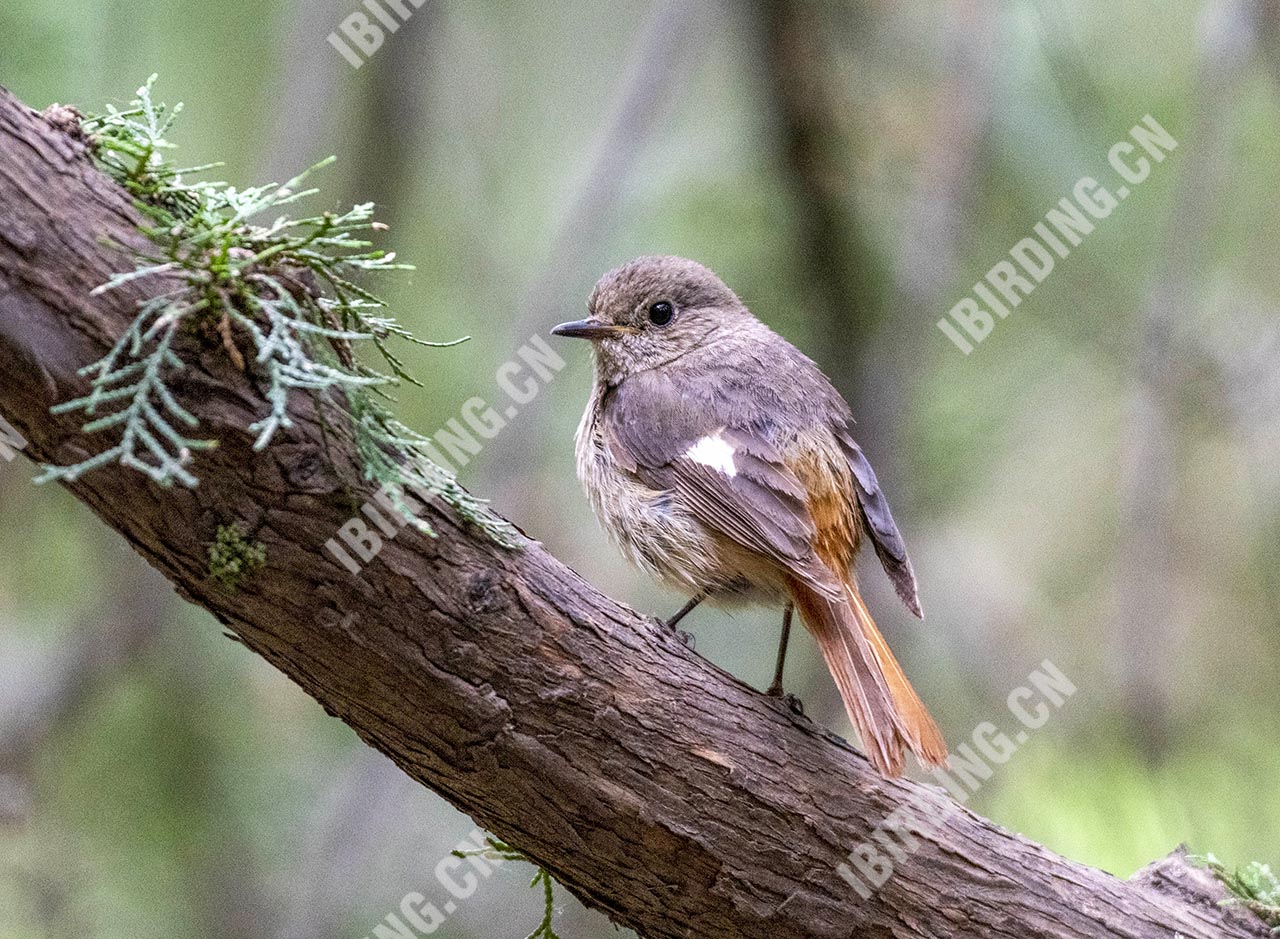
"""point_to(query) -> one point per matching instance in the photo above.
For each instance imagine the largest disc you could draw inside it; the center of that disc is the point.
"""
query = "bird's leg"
(776, 688)
(685, 610)
(671, 624)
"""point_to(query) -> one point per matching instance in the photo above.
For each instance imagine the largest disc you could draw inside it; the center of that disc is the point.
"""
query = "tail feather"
(885, 709)
(917, 725)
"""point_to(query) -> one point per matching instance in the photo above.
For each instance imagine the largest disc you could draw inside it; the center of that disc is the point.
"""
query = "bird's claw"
(792, 703)
(685, 638)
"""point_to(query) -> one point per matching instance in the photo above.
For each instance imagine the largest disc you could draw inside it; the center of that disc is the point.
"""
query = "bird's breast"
(650, 526)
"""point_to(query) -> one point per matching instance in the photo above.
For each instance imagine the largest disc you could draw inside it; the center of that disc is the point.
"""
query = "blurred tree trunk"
(306, 104)
(1151, 592)
(869, 306)
(394, 114)
(663, 57)
(874, 310)
(848, 286)
(650, 784)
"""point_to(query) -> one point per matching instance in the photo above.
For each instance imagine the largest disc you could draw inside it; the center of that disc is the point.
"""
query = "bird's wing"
(727, 473)
(879, 523)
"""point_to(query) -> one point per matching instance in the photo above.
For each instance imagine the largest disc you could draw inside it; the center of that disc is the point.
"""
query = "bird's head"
(652, 311)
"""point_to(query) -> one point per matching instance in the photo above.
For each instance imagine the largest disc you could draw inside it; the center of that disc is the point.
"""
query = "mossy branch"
(279, 299)
(233, 557)
(1254, 886)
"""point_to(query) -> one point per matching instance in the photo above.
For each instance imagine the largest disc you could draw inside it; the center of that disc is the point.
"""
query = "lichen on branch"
(278, 298)
(1253, 886)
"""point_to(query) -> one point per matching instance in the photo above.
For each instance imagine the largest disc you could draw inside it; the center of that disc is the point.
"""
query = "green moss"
(232, 557)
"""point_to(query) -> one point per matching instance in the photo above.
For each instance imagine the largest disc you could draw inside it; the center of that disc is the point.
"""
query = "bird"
(720, 460)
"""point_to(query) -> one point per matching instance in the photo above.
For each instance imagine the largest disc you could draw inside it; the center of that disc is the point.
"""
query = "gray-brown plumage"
(720, 460)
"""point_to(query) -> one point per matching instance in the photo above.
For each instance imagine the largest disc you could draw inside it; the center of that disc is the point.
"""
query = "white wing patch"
(714, 451)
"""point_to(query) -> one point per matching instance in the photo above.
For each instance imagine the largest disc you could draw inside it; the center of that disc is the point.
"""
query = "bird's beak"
(588, 329)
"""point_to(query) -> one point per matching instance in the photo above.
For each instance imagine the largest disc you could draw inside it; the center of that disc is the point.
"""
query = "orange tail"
(885, 709)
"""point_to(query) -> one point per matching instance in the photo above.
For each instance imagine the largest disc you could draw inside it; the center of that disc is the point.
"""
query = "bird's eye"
(661, 312)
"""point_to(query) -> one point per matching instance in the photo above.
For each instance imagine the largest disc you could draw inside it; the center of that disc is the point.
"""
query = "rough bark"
(651, 784)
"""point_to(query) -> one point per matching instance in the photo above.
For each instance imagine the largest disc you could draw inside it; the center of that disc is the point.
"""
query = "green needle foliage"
(497, 850)
(277, 297)
(544, 930)
(1254, 887)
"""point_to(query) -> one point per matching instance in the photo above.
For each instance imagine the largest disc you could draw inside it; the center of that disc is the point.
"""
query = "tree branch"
(650, 783)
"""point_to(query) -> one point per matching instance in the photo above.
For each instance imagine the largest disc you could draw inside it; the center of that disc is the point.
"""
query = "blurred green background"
(1097, 484)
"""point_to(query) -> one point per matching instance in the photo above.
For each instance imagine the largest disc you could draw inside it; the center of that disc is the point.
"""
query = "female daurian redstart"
(719, 458)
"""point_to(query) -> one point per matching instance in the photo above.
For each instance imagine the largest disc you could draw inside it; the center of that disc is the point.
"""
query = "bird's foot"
(793, 703)
(686, 638)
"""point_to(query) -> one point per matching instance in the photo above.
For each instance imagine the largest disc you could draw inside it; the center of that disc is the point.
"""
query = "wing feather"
(880, 526)
(650, 427)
